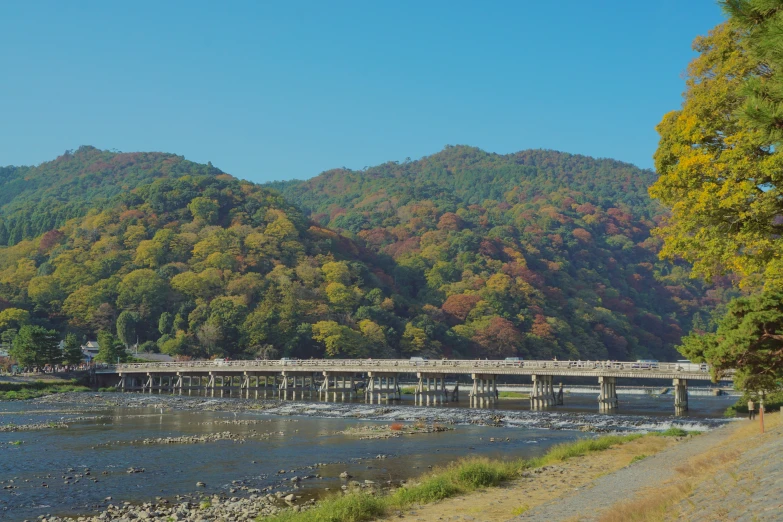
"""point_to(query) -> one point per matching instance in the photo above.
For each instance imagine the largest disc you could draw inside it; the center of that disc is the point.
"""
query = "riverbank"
(727, 473)
(236, 446)
(32, 389)
(360, 501)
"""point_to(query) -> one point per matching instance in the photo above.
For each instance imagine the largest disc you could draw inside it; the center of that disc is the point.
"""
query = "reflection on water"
(102, 442)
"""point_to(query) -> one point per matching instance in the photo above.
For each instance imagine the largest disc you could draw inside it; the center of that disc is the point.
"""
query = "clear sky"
(287, 89)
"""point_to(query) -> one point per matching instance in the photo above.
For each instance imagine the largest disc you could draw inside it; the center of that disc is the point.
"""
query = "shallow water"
(282, 440)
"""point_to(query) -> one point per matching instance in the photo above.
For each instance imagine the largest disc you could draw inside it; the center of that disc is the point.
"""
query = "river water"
(46, 472)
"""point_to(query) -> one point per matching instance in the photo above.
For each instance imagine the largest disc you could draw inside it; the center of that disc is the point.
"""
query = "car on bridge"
(513, 361)
(645, 364)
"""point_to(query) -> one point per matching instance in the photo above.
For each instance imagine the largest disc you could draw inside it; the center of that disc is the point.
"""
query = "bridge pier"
(607, 399)
(680, 396)
(431, 389)
(340, 385)
(296, 384)
(484, 391)
(543, 394)
(382, 386)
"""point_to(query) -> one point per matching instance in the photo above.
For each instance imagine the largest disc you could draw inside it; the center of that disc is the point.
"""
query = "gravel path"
(587, 504)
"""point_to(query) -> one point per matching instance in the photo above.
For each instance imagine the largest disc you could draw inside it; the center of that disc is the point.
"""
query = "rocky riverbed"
(226, 454)
(552, 420)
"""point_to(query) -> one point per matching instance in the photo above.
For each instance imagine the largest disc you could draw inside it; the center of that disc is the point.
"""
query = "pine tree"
(761, 24)
(36, 346)
(72, 353)
(110, 349)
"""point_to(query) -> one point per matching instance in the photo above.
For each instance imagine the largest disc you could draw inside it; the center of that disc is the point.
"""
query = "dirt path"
(732, 473)
(538, 487)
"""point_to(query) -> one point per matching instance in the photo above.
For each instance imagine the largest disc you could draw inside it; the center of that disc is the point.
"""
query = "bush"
(673, 432)
(480, 474)
(436, 487)
(355, 507)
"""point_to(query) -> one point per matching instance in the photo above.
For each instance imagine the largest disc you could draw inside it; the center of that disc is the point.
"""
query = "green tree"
(13, 317)
(36, 346)
(72, 351)
(340, 340)
(761, 23)
(749, 339)
(205, 209)
(126, 327)
(165, 323)
(110, 349)
(720, 223)
(721, 172)
(142, 291)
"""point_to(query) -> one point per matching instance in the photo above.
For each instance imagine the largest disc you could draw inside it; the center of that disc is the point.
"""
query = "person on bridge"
(751, 409)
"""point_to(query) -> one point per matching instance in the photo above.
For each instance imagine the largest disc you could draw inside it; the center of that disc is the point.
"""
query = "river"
(45, 471)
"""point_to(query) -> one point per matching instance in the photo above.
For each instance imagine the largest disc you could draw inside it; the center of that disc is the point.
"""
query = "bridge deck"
(635, 370)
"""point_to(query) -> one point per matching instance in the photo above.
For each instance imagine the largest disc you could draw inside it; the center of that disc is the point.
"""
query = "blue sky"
(288, 89)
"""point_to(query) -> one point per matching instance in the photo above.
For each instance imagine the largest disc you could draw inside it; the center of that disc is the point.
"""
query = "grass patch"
(11, 391)
(456, 479)
(674, 432)
(407, 390)
(513, 395)
(570, 450)
(354, 507)
(637, 458)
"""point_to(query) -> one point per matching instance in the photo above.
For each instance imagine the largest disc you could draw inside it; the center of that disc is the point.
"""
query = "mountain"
(539, 249)
(34, 200)
(462, 254)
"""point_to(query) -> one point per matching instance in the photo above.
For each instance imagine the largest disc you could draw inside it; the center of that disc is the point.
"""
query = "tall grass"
(456, 479)
(355, 507)
(31, 390)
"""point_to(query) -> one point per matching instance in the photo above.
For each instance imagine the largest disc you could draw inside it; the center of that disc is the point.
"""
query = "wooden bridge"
(378, 379)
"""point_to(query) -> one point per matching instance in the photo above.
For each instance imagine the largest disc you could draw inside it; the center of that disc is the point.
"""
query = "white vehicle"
(219, 362)
(684, 365)
(645, 364)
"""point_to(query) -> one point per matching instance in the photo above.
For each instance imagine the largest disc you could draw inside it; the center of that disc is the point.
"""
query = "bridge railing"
(405, 364)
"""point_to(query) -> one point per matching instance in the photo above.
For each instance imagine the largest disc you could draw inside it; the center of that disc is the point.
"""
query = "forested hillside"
(460, 254)
(34, 200)
(540, 252)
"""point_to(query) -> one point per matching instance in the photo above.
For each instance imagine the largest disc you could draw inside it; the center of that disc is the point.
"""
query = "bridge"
(378, 379)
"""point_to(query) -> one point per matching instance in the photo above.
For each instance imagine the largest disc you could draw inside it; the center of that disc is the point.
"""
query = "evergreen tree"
(761, 23)
(110, 349)
(165, 323)
(36, 346)
(72, 353)
(126, 327)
